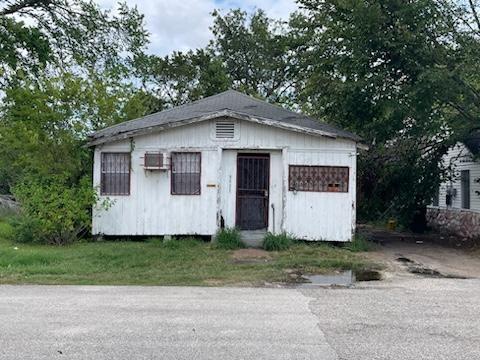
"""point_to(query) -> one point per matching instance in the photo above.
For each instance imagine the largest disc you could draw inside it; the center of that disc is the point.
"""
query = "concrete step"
(253, 238)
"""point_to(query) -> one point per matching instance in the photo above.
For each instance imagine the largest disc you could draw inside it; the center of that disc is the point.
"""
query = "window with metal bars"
(115, 174)
(186, 172)
(318, 178)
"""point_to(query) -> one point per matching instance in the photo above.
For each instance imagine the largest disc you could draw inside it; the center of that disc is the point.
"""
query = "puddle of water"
(344, 278)
(368, 275)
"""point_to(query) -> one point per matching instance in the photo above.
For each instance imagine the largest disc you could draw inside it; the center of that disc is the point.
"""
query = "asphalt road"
(412, 318)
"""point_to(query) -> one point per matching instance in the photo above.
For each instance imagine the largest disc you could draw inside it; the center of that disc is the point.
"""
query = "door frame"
(263, 155)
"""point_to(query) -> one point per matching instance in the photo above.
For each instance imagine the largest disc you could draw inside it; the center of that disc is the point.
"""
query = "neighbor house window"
(436, 198)
(318, 178)
(115, 174)
(186, 173)
(465, 188)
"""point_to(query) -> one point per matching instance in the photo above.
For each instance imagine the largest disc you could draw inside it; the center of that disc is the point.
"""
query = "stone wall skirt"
(462, 223)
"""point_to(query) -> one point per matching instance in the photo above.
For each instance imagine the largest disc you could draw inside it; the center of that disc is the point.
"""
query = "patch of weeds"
(277, 242)
(154, 240)
(6, 229)
(229, 239)
(359, 244)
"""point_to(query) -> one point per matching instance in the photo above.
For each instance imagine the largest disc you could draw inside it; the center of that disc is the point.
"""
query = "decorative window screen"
(186, 173)
(115, 174)
(318, 178)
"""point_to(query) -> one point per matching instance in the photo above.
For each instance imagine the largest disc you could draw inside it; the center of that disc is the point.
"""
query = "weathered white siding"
(308, 214)
(460, 158)
(150, 209)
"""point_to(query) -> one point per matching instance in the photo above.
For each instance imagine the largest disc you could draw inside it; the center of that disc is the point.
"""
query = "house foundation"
(459, 222)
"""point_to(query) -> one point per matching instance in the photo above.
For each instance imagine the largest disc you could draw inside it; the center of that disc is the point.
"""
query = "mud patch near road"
(404, 260)
(416, 268)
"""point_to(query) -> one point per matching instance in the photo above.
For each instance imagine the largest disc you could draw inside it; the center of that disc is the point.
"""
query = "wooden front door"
(253, 177)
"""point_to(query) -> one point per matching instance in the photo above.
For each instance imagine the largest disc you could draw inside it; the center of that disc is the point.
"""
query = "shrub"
(277, 242)
(25, 230)
(6, 230)
(52, 211)
(229, 238)
(359, 244)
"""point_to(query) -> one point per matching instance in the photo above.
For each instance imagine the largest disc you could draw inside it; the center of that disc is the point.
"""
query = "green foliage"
(277, 242)
(183, 77)
(402, 74)
(67, 34)
(359, 244)
(228, 239)
(6, 230)
(54, 212)
(256, 52)
(53, 116)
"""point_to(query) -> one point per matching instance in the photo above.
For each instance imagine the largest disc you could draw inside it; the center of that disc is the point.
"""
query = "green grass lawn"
(178, 262)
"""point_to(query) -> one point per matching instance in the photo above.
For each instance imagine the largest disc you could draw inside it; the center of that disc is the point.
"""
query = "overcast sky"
(184, 24)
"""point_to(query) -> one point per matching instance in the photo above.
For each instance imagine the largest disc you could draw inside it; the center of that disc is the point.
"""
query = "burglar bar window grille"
(318, 178)
(115, 174)
(186, 171)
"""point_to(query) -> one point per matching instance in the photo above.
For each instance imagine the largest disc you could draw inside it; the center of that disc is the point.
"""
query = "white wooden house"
(456, 206)
(228, 160)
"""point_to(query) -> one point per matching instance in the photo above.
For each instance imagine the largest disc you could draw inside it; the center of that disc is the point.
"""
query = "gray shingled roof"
(230, 100)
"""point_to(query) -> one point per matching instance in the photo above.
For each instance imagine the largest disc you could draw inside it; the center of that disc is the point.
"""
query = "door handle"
(266, 193)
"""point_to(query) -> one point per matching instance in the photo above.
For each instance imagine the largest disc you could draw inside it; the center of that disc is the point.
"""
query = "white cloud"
(184, 24)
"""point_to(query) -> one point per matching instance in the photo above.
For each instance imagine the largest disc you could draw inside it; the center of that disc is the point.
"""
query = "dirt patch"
(416, 268)
(383, 236)
(250, 256)
(402, 256)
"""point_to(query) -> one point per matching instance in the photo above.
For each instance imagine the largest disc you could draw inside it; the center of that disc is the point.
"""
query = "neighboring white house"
(456, 208)
(228, 160)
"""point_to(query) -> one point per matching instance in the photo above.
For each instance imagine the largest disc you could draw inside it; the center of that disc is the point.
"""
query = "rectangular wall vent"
(225, 130)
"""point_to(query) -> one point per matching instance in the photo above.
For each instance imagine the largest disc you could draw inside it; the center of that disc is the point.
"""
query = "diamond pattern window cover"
(318, 178)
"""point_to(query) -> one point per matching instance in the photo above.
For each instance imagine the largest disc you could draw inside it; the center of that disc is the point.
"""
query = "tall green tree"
(182, 77)
(256, 52)
(250, 53)
(70, 34)
(404, 75)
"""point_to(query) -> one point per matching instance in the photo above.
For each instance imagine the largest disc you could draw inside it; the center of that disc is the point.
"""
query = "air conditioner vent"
(155, 161)
(225, 130)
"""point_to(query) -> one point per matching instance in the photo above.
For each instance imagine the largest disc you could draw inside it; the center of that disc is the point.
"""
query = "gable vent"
(225, 130)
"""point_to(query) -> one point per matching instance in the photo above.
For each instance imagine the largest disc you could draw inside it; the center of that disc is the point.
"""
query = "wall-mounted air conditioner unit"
(156, 161)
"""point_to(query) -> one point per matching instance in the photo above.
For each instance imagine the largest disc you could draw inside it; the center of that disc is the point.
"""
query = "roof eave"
(214, 115)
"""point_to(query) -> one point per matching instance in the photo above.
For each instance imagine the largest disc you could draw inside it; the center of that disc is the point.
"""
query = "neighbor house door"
(253, 177)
